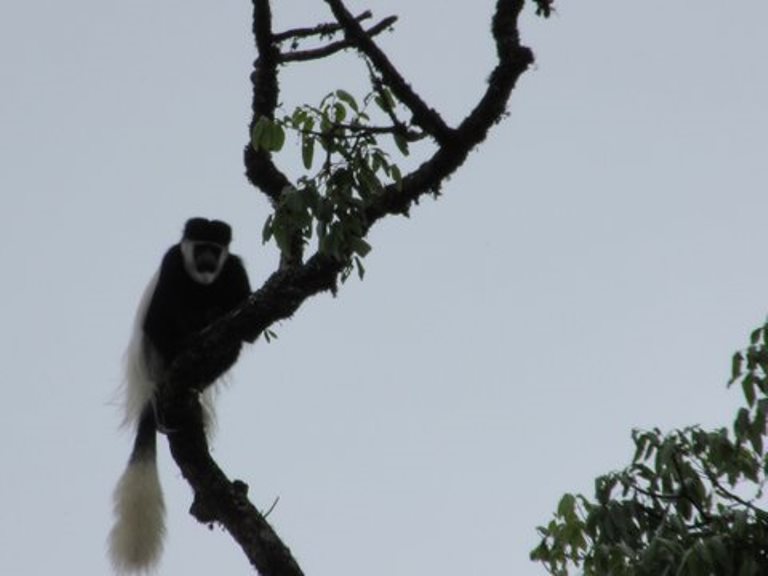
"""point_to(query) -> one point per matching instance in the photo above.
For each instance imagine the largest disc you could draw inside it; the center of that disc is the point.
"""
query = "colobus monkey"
(198, 281)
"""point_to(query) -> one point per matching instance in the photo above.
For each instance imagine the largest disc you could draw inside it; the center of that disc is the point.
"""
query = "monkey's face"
(203, 260)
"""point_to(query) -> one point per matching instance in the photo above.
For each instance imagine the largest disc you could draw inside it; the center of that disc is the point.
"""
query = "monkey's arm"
(240, 286)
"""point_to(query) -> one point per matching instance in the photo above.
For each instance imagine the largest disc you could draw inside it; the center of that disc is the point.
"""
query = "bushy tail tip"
(136, 539)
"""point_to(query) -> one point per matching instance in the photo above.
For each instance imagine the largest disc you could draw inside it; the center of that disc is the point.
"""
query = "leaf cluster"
(686, 505)
(331, 199)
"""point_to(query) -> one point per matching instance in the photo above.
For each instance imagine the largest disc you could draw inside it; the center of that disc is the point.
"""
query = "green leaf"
(269, 335)
(402, 143)
(663, 456)
(293, 200)
(267, 135)
(641, 441)
(736, 366)
(748, 386)
(360, 268)
(276, 137)
(359, 246)
(266, 232)
(309, 124)
(388, 98)
(325, 122)
(257, 132)
(382, 103)
(396, 176)
(762, 409)
(307, 150)
(756, 439)
(339, 112)
(299, 116)
(377, 163)
(741, 425)
(368, 181)
(348, 99)
(565, 508)
(282, 237)
(324, 211)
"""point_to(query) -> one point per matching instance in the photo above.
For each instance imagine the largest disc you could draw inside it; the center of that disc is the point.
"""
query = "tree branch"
(278, 299)
(514, 59)
(326, 29)
(260, 170)
(424, 116)
(259, 167)
(334, 47)
(217, 499)
(729, 495)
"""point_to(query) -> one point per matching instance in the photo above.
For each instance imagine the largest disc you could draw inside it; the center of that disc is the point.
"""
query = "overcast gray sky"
(591, 269)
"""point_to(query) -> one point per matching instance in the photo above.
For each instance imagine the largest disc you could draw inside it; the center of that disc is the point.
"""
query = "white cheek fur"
(204, 278)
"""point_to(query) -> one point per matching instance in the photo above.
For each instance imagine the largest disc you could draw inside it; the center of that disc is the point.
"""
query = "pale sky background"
(591, 269)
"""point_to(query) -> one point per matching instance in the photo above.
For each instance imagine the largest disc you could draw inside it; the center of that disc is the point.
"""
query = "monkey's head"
(205, 248)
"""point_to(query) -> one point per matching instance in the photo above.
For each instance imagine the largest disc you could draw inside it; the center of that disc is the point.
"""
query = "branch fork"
(218, 499)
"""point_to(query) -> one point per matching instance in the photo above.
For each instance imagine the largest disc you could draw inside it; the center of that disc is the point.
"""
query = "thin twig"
(271, 508)
(334, 47)
(320, 30)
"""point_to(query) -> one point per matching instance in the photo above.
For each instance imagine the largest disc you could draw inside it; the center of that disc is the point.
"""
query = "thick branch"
(218, 499)
(280, 296)
(259, 167)
(514, 59)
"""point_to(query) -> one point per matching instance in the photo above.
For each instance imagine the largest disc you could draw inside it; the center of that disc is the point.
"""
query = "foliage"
(355, 168)
(686, 505)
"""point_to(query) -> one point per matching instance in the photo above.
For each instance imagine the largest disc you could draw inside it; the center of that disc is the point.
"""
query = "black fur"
(186, 298)
(181, 307)
(145, 444)
(206, 230)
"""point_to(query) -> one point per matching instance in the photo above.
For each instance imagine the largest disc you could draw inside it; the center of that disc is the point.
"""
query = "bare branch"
(319, 30)
(218, 499)
(728, 494)
(514, 59)
(352, 131)
(334, 47)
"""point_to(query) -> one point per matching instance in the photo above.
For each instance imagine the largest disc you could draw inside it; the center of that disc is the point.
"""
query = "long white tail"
(136, 539)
